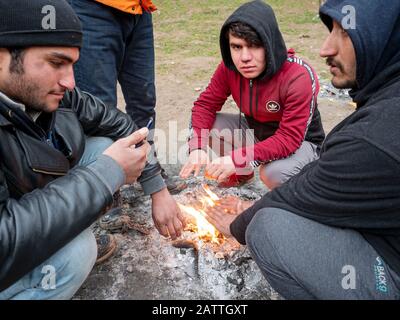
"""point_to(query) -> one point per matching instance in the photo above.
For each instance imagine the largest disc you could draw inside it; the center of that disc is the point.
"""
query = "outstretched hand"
(220, 220)
(167, 217)
(225, 212)
(233, 205)
(197, 159)
(220, 169)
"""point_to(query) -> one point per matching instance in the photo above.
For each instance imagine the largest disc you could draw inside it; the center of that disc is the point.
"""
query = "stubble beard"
(24, 91)
(341, 83)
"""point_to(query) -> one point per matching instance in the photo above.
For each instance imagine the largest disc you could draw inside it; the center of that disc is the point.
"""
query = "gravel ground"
(150, 267)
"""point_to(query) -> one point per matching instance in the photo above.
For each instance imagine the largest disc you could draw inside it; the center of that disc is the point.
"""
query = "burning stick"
(185, 244)
(189, 244)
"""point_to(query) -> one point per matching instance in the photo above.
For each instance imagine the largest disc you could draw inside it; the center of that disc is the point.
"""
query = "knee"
(257, 233)
(219, 123)
(272, 175)
(82, 254)
(267, 233)
(94, 146)
(99, 143)
(73, 264)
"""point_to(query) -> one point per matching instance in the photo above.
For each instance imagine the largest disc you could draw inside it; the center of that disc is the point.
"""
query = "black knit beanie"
(27, 23)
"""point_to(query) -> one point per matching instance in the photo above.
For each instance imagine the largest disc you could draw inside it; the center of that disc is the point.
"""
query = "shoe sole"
(179, 187)
(118, 224)
(113, 246)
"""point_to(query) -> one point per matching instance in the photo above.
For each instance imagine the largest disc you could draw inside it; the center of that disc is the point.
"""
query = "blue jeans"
(117, 46)
(60, 276)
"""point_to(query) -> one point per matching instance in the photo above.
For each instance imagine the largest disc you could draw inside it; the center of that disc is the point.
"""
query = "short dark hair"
(244, 31)
(17, 59)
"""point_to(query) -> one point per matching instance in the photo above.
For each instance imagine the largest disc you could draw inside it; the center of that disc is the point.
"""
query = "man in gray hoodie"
(333, 231)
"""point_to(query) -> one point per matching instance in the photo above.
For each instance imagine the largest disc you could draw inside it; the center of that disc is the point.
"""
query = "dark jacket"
(280, 104)
(46, 199)
(356, 182)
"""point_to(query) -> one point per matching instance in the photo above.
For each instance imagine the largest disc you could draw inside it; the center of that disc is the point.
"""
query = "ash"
(327, 90)
(151, 267)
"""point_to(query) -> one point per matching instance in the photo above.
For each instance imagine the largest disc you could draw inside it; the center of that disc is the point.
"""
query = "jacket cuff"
(238, 229)
(199, 140)
(109, 172)
(153, 184)
(242, 157)
(197, 143)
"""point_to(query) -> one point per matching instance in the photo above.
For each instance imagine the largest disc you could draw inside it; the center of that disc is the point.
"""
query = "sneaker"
(112, 221)
(236, 180)
(106, 246)
(174, 186)
(115, 221)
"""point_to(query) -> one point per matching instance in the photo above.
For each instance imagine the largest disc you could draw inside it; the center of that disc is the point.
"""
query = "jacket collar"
(7, 102)
(4, 122)
(12, 105)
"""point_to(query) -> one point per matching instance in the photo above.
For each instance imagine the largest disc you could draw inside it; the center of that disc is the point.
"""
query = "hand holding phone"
(148, 125)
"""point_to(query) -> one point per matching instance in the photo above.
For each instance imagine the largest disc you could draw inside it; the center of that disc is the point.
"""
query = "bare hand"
(132, 160)
(233, 205)
(167, 217)
(221, 168)
(197, 160)
(221, 220)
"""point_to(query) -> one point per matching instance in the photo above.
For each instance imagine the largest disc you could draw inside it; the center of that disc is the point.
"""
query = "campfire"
(201, 264)
(197, 216)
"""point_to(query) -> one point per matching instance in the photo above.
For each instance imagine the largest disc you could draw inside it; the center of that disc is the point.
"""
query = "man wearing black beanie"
(27, 23)
(63, 154)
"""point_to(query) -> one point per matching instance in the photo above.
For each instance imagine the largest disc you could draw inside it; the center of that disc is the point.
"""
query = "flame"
(207, 201)
(205, 229)
(211, 194)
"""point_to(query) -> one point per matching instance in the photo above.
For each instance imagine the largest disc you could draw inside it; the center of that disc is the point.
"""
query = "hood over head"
(261, 17)
(376, 40)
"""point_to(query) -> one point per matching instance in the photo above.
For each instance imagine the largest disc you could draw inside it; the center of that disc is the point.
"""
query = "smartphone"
(148, 125)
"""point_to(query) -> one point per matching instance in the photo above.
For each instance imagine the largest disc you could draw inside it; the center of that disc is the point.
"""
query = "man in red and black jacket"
(276, 93)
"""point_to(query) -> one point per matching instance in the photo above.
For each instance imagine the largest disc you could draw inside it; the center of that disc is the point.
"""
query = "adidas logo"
(273, 106)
